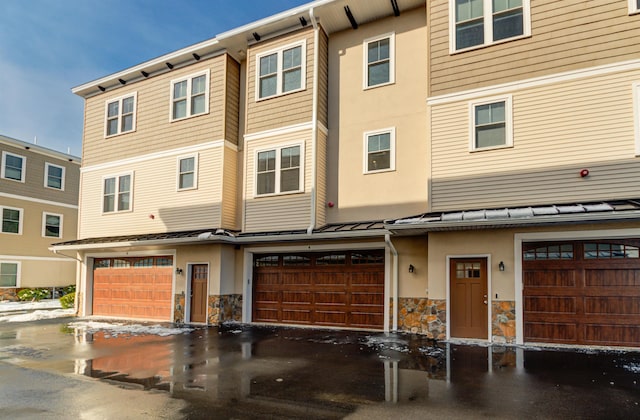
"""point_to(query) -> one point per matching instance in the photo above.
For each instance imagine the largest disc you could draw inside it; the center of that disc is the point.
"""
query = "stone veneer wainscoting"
(423, 316)
(178, 311)
(225, 308)
(8, 294)
(503, 321)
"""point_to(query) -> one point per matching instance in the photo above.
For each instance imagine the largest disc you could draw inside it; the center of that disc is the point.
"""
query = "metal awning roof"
(600, 211)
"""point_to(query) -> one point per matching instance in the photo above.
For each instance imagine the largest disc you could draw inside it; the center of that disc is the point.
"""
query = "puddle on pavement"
(292, 372)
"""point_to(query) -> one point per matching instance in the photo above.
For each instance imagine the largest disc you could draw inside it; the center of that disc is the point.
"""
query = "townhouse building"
(39, 206)
(434, 167)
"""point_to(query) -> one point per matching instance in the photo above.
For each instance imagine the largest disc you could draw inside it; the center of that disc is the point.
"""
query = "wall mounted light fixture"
(178, 271)
(411, 268)
(501, 266)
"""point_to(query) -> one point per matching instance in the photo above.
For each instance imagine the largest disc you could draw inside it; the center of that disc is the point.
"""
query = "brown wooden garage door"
(584, 292)
(133, 287)
(343, 289)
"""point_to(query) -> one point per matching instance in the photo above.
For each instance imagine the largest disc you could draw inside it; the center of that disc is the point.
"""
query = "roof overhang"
(39, 149)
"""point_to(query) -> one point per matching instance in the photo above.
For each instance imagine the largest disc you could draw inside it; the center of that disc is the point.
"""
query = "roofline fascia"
(569, 218)
(36, 148)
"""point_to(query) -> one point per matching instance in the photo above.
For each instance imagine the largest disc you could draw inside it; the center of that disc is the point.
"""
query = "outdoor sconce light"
(411, 268)
(501, 266)
(178, 271)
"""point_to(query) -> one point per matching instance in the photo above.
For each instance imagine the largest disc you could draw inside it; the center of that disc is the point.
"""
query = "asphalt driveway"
(62, 368)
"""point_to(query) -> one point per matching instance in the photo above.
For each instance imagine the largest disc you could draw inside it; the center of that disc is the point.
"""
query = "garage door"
(339, 289)
(585, 292)
(133, 287)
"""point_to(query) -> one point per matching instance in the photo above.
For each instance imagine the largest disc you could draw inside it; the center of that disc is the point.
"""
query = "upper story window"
(491, 125)
(11, 220)
(379, 66)
(13, 166)
(51, 225)
(187, 172)
(634, 6)
(279, 170)
(116, 194)
(120, 115)
(9, 273)
(190, 96)
(477, 23)
(54, 176)
(281, 71)
(379, 149)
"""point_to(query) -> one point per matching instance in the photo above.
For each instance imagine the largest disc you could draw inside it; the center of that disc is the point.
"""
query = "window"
(13, 166)
(379, 149)
(116, 194)
(477, 23)
(190, 96)
(491, 124)
(53, 176)
(279, 170)
(120, 115)
(281, 71)
(610, 251)
(187, 172)
(52, 225)
(634, 6)
(11, 220)
(549, 252)
(9, 274)
(379, 68)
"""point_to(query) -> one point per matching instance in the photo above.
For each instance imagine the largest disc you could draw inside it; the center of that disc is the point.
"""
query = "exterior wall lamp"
(411, 268)
(178, 271)
(501, 266)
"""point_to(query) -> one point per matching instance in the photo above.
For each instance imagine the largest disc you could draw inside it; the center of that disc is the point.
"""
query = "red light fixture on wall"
(584, 173)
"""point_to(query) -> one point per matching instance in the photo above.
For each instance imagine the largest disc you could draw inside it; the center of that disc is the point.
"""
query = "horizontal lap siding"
(230, 189)
(155, 193)
(321, 183)
(285, 110)
(323, 78)
(232, 104)
(558, 130)
(154, 130)
(565, 36)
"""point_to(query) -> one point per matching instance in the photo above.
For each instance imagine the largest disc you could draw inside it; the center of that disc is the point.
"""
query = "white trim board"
(37, 200)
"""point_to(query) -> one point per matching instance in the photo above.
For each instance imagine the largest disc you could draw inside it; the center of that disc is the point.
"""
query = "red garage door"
(582, 292)
(133, 287)
(343, 289)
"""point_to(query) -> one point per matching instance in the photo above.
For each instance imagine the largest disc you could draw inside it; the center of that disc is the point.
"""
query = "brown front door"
(199, 293)
(469, 299)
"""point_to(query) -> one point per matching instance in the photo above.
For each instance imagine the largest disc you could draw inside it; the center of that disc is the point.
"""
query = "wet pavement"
(267, 372)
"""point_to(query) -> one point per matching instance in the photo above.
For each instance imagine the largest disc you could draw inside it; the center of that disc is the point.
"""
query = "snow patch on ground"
(7, 306)
(387, 343)
(38, 315)
(116, 328)
(632, 367)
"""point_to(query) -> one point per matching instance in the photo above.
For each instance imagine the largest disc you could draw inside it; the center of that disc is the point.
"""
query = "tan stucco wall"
(412, 251)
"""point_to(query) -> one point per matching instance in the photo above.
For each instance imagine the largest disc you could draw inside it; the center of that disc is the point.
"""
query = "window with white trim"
(634, 6)
(281, 71)
(187, 172)
(13, 166)
(117, 193)
(491, 123)
(11, 220)
(636, 114)
(9, 273)
(120, 115)
(51, 225)
(379, 147)
(475, 23)
(279, 170)
(190, 96)
(379, 56)
(54, 176)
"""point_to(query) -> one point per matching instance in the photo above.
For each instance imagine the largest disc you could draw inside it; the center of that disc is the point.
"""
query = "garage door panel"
(617, 305)
(330, 317)
(297, 297)
(550, 304)
(551, 332)
(363, 298)
(549, 278)
(366, 319)
(612, 277)
(296, 316)
(296, 279)
(621, 335)
(367, 279)
(330, 279)
(339, 298)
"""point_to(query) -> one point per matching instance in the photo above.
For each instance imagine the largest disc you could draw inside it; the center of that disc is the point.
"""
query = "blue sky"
(48, 47)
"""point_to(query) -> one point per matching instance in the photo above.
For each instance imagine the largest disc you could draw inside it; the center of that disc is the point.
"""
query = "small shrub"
(33, 294)
(69, 289)
(68, 300)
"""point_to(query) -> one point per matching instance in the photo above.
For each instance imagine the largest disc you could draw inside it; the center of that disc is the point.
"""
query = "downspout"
(394, 280)
(314, 123)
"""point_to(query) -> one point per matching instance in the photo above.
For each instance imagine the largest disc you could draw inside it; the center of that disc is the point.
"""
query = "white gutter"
(394, 275)
(314, 124)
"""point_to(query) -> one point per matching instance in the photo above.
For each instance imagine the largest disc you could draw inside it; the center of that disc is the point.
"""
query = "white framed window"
(51, 225)
(54, 176)
(636, 114)
(9, 274)
(187, 172)
(491, 123)
(281, 71)
(120, 115)
(380, 151)
(190, 96)
(117, 193)
(11, 220)
(280, 170)
(13, 166)
(634, 6)
(476, 23)
(379, 66)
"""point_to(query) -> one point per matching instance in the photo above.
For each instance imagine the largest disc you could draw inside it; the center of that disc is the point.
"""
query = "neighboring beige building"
(437, 167)
(39, 206)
